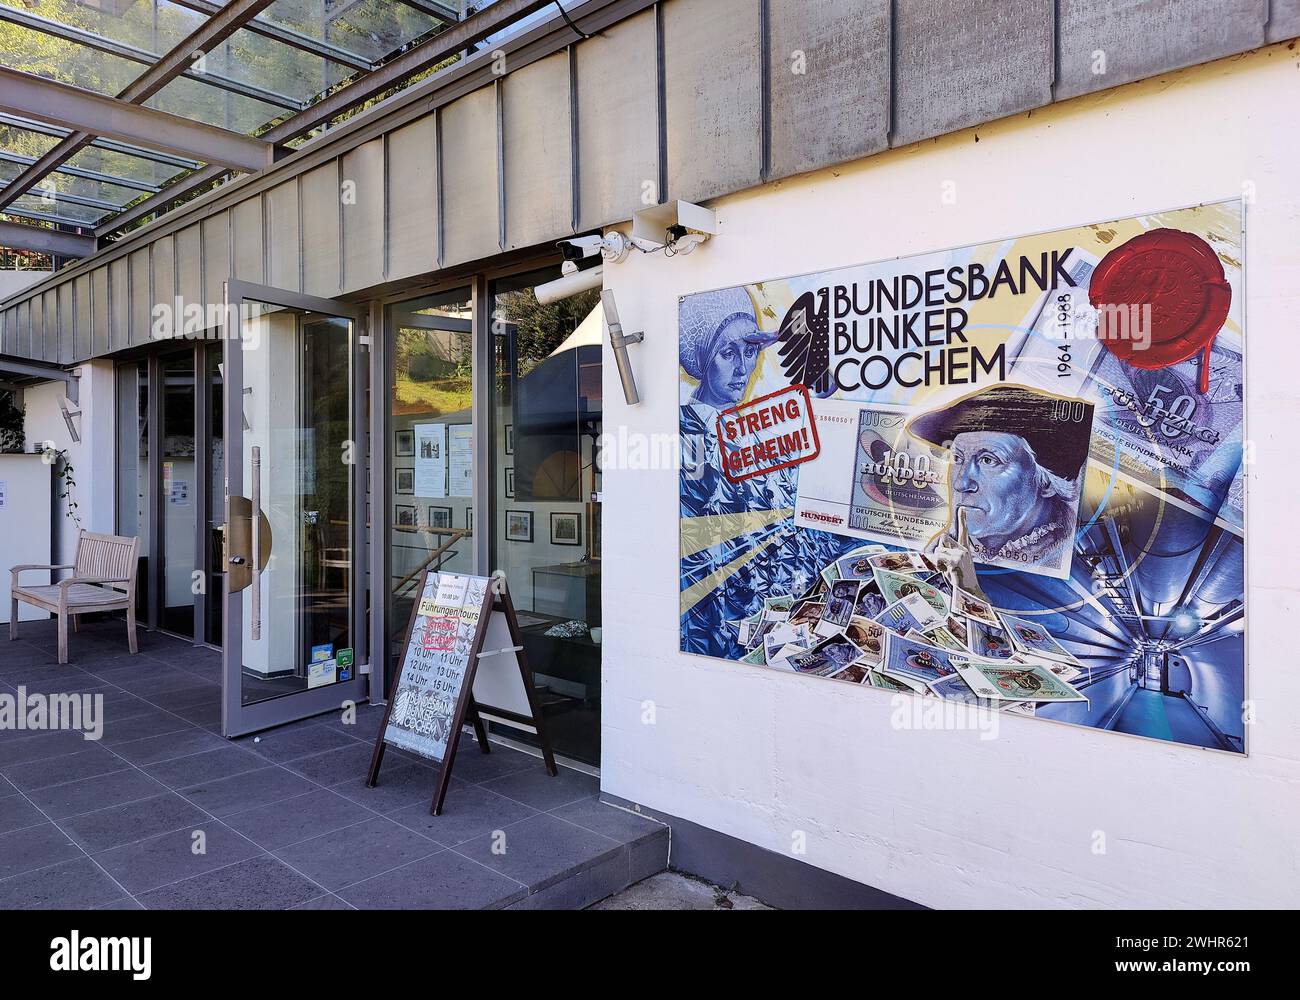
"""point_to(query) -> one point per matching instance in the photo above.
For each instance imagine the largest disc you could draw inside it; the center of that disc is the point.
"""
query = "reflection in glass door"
(177, 502)
(429, 503)
(545, 515)
(293, 462)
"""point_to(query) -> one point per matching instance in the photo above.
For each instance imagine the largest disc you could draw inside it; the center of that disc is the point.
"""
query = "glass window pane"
(546, 411)
(431, 495)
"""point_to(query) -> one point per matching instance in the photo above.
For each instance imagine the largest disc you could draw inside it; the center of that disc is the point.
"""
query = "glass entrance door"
(293, 441)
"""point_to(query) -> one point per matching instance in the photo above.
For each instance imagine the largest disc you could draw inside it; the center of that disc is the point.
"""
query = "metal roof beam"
(81, 172)
(90, 113)
(40, 240)
(125, 148)
(430, 52)
(287, 36)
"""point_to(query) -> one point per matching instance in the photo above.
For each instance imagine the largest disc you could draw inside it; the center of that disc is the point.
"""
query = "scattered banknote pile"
(889, 619)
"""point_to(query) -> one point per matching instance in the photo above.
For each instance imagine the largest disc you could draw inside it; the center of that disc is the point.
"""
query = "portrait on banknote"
(1063, 412)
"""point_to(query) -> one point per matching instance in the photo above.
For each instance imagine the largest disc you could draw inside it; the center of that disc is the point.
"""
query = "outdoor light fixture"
(618, 340)
(678, 226)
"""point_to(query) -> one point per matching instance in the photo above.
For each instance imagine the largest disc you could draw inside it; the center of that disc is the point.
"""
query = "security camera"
(614, 248)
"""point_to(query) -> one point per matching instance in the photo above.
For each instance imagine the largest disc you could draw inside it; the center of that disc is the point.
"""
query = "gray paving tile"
(365, 725)
(302, 817)
(204, 716)
(539, 850)
(151, 722)
(172, 857)
(34, 847)
(617, 824)
(70, 767)
(324, 903)
(261, 883)
(132, 821)
(336, 766)
(169, 746)
(72, 885)
(474, 766)
(164, 678)
(226, 796)
(398, 787)
(538, 789)
(280, 745)
(210, 765)
(443, 881)
(41, 746)
(208, 695)
(344, 857)
(469, 811)
(16, 813)
(125, 903)
(99, 792)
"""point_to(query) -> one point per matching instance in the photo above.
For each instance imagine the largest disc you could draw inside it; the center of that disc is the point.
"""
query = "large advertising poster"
(1007, 475)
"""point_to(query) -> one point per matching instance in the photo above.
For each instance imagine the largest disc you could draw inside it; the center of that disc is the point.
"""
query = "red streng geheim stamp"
(767, 434)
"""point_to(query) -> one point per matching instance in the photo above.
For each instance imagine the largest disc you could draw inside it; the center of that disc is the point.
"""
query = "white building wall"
(93, 458)
(943, 818)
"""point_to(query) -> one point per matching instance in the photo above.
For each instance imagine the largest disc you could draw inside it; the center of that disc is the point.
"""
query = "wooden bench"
(103, 579)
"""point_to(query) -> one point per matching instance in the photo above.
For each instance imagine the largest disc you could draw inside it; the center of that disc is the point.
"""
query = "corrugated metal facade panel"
(537, 132)
(1105, 43)
(618, 114)
(65, 350)
(472, 215)
(164, 289)
(38, 327)
(216, 259)
(283, 246)
(830, 82)
(119, 302)
(362, 197)
(1283, 20)
(189, 278)
(100, 318)
(964, 62)
(141, 295)
(713, 81)
(82, 317)
(412, 209)
(320, 230)
(246, 223)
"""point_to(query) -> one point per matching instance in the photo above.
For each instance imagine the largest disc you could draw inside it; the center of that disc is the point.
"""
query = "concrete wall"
(93, 458)
(941, 817)
(13, 282)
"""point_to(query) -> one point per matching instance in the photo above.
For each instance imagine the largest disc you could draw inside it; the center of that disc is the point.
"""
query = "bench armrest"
(15, 570)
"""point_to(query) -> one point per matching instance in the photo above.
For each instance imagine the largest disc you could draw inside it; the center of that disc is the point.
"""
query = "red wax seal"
(1180, 277)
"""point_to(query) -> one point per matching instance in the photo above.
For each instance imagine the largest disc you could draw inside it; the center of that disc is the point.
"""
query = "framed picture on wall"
(510, 484)
(405, 443)
(566, 528)
(404, 515)
(439, 517)
(404, 481)
(510, 439)
(469, 519)
(519, 526)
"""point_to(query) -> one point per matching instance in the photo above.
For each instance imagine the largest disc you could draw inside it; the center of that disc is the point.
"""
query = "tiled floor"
(164, 813)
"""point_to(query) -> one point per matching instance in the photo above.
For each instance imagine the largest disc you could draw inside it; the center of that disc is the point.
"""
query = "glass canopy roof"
(272, 67)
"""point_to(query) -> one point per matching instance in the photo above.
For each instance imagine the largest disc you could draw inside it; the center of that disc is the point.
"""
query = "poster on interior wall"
(431, 460)
(1007, 474)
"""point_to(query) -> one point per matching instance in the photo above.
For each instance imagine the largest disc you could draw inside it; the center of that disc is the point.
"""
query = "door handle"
(255, 626)
(237, 543)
